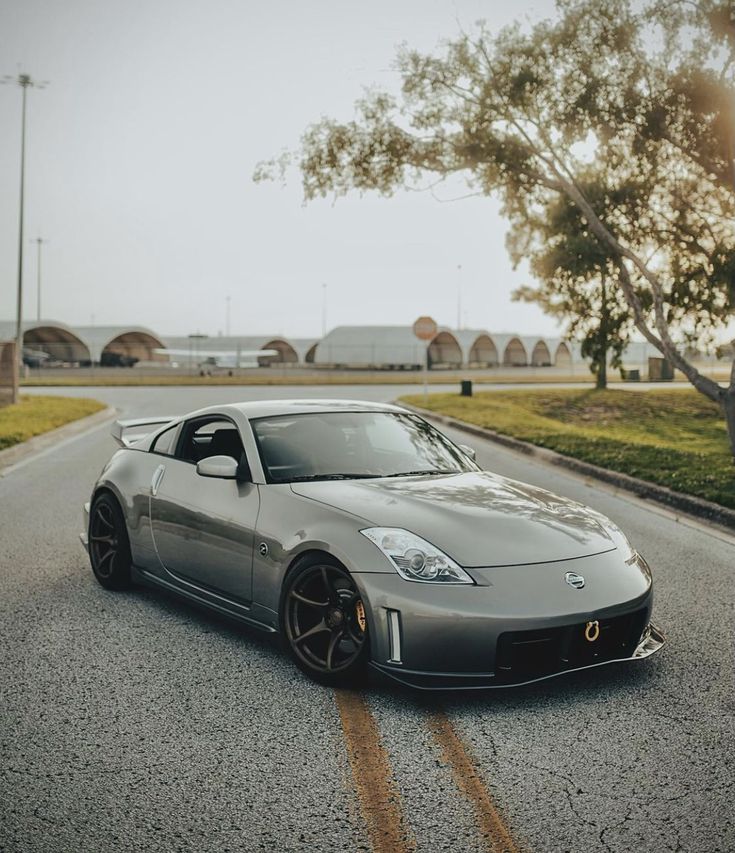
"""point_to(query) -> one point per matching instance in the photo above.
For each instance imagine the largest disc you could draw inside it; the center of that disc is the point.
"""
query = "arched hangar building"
(83, 345)
(289, 350)
(397, 347)
(361, 347)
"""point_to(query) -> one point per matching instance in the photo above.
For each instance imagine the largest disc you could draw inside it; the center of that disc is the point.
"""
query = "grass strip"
(675, 438)
(36, 415)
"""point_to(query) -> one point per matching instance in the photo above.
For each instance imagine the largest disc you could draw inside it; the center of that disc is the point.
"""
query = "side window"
(164, 444)
(203, 438)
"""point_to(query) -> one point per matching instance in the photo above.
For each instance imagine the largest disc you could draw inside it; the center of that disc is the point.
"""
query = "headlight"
(416, 559)
(627, 551)
(621, 542)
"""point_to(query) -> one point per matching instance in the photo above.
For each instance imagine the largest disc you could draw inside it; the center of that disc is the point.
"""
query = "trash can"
(660, 370)
(466, 388)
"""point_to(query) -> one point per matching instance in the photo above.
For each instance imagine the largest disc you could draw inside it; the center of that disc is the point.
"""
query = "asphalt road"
(133, 722)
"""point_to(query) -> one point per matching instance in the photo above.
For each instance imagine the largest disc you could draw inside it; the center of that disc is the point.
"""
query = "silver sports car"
(366, 537)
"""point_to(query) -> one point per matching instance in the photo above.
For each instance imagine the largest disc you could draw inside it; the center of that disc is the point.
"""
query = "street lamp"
(324, 310)
(39, 241)
(25, 82)
(194, 340)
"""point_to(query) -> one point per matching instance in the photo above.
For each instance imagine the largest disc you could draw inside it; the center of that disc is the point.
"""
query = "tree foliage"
(622, 111)
(577, 280)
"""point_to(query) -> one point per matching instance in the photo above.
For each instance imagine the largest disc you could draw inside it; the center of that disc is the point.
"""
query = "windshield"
(353, 445)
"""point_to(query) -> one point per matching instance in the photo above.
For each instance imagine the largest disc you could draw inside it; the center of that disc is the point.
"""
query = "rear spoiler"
(137, 426)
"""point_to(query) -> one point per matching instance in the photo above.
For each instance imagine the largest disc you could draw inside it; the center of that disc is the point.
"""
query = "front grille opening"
(522, 655)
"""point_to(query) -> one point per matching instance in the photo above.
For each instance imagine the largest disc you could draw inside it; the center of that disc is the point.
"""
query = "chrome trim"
(651, 641)
(84, 535)
(156, 481)
(574, 580)
(394, 636)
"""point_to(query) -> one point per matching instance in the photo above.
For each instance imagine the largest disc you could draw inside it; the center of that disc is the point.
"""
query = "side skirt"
(210, 600)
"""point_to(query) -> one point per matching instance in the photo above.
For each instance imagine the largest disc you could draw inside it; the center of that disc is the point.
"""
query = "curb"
(689, 504)
(19, 452)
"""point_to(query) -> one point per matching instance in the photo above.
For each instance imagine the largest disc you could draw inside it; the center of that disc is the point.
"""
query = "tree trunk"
(662, 342)
(728, 407)
(601, 383)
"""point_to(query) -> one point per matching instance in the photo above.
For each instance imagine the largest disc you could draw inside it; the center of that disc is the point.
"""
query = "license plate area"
(522, 655)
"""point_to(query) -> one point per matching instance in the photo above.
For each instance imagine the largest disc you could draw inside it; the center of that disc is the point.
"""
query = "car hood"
(477, 518)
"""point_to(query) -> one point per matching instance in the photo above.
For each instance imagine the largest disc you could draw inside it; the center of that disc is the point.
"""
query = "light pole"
(194, 340)
(25, 82)
(459, 296)
(324, 310)
(39, 241)
(228, 300)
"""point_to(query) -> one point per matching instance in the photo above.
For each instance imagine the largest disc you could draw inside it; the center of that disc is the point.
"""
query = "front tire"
(324, 623)
(109, 545)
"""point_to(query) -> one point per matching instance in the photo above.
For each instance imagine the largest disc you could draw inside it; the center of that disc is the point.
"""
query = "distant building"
(85, 344)
(396, 347)
(358, 347)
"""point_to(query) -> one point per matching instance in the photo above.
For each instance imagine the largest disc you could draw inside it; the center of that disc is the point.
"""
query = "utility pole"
(194, 340)
(459, 296)
(39, 241)
(25, 82)
(324, 310)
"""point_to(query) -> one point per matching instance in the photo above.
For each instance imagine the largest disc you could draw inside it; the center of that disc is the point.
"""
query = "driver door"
(204, 527)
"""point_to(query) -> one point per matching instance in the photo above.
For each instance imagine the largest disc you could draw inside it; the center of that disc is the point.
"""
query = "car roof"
(273, 408)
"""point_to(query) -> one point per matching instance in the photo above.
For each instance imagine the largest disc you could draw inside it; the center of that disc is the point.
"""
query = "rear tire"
(109, 544)
(324, 623)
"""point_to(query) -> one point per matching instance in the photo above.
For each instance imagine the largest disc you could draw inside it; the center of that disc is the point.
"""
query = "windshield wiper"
(305, 478)
(308, 478)
(421, 472)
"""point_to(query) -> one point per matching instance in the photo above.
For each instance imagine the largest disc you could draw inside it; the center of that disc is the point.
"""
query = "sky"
(140, 158)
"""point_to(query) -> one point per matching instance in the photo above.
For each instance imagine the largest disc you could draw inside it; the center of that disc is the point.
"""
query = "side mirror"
(469, 451)
(223, 467)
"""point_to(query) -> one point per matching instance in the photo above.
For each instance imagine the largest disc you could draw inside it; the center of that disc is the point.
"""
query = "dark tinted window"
(203, 438)
(351, 445)
(165, 442)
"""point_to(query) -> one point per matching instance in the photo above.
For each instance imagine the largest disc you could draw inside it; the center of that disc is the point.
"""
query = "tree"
(634, 100)
(577, 280)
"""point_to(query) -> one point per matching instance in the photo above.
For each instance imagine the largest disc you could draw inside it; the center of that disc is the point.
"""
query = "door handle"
(157, 477)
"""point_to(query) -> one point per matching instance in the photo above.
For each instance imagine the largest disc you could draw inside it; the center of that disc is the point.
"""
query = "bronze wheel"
(109, 546)
(325, 622)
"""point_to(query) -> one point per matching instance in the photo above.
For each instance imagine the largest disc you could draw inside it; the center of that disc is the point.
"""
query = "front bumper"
(516, 625)
(650, 642)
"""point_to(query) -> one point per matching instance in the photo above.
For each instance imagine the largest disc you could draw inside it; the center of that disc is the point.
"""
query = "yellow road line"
(467, 779)
(380, 800)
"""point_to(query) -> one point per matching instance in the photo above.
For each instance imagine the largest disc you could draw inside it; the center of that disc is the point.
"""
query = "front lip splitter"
(652, 640)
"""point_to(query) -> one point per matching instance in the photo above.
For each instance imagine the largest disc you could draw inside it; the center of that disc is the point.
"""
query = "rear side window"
(164, 444)
(204, 437)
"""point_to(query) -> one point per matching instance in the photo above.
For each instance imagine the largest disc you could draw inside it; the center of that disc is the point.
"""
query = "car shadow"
(207, 621)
